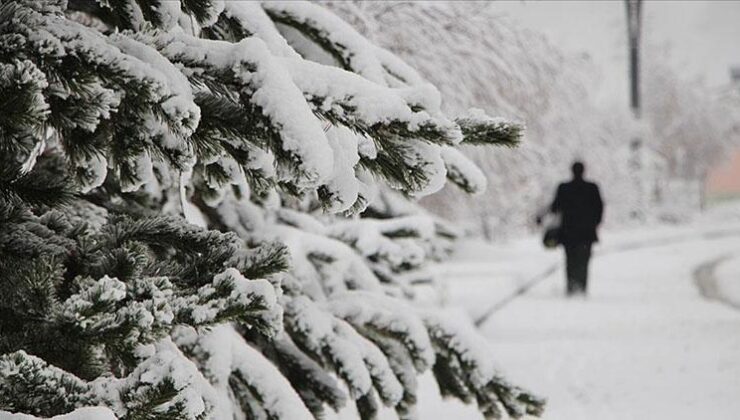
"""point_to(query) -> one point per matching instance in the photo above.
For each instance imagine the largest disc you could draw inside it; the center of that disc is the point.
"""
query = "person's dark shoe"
(578, 293)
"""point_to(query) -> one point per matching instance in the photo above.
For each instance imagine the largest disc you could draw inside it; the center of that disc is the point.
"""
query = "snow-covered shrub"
(196, 216)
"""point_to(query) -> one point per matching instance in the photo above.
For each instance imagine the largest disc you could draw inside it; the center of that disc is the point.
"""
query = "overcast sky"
(704, 35)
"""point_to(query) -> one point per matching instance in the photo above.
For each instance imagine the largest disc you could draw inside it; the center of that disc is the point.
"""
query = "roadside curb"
(705, 278)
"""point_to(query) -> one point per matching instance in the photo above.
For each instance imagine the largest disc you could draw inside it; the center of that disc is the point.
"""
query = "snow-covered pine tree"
(184, 220)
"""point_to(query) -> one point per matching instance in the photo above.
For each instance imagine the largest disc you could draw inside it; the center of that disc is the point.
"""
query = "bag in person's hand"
(551, 239)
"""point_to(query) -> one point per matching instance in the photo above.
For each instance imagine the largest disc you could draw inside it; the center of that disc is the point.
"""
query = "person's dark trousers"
(577, 257)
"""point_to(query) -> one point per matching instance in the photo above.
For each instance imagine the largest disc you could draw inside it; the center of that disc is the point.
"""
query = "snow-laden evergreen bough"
(128, 129)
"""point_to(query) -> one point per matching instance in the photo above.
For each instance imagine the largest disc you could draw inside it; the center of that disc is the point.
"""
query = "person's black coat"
(579, 204)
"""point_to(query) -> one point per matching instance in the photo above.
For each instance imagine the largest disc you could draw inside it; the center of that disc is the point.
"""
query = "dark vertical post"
(637, 151)
(634, 12)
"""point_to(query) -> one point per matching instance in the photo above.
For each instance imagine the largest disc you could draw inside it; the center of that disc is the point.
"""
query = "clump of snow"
(93, 294)
(366, 147)
(279, 399)
(469, 345)
(428, 158)
(140, 172)
(384, 239)
(209, 303)
(342, 268)
(223, 353)
(253, 18)
(363, 57)
(371, 103)
(376, 363)
(480, 116)
(91, 172)
(317, 331)
(195, 394)
(180, 105)
(275, 94)
(343, 186)
(386, 314)
(463, 171)
(355, 48)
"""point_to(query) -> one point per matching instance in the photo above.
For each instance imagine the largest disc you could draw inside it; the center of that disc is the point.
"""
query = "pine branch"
(489, 131)
(39, 187)
(30, 385)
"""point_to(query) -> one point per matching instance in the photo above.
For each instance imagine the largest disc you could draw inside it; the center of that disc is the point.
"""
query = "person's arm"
(599, 205)
(556, 203)
(540, 214)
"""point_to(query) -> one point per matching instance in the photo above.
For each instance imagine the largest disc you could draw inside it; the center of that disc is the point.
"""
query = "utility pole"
(634, 20)
(636, 147)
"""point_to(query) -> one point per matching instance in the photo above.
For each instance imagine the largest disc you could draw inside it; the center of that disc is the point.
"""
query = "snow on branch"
(463, 172)
(228, 361)
(480, 129)
(379, 313)
(267, 95)
(464, 369)
(346, 98)
(205, 264)
(351, 50)
(254, 22)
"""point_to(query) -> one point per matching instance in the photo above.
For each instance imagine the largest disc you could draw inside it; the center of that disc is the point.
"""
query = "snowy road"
(644, 345)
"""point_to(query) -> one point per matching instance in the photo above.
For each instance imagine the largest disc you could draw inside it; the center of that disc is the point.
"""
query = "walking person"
(580, 207)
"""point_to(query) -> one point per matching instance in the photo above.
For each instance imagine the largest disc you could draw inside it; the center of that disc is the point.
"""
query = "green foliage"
(490, 132)
(461, 375)
(117, 130)
(159, 266)
(39, 187)
(86, 298)
(30, 385)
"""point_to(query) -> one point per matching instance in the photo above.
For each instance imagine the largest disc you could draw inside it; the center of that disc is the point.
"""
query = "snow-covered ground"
(645, 344)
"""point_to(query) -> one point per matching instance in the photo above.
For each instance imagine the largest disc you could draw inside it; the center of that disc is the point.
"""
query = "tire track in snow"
(524, 288)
